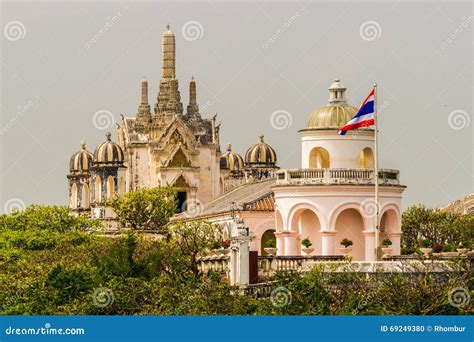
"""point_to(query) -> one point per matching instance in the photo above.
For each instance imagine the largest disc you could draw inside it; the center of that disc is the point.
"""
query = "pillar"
(395, 238)
(369, 236)
(327, 242)
(280, 243)
(291, 244)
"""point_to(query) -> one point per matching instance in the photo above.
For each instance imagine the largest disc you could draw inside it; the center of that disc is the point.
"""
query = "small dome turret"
(261, 155)
(337, 112)
(232, 161)
(108, 153)
(81, 161)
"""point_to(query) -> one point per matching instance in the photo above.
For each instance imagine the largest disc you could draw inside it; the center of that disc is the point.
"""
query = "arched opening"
(85, 196)
(307, 224)
(121, 185)
(349, 225)
(366, 158)
(98, 190)
(73, 197)
(110, 187)
(268, 235)
(388, 223)
(319, 158)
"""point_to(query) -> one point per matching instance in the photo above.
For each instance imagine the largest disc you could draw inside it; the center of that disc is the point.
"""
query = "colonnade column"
(369, 236)
(327, 242)
(280, 243)
(395, 238)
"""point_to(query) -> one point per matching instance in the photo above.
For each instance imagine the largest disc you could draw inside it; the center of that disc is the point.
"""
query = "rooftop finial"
(229, 147)
(337, 93)
(108, 135)
(261, 136)
(83, 144)
(168, 26)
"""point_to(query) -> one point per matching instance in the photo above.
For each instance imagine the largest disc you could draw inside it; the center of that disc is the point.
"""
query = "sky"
(263, 67)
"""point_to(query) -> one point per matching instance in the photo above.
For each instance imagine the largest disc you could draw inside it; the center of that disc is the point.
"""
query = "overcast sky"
(64, 62)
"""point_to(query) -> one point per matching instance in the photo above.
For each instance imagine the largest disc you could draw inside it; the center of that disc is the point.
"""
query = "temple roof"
(257, 196)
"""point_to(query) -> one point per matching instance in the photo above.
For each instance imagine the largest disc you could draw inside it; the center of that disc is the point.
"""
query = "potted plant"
(437, 248)
(347, 246)
(225, 246)
(426, 247)
(215, 246)
(307, 244)
(270, 247)
(449, 251)
(464, 247)
(386, 249)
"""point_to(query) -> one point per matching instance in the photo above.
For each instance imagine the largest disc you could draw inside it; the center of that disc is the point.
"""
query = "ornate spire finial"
(192, 92)
(337, 93)
(229, 147)
(168, 26)
(108, 135)
(83, 144)
(144, 91)
(261, 136)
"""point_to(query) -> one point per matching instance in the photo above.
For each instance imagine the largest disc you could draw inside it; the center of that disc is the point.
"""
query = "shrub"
(425, 244)
(437, 248)
(449, 248)
(270, 243)
(306, 242)
(386, 242)
(346, 242)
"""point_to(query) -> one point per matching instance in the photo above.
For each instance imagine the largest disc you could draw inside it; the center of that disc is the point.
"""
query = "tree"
(147, 209)
(191, 239)
(436, 226)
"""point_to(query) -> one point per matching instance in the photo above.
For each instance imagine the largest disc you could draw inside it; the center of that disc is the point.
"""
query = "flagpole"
(376, 176)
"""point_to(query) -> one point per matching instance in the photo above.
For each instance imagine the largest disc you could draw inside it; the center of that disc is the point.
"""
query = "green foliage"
(40, 217)
(145, 208)
(306, 243)
(50, 272)
(346, 242)
(386, 242)
(449, 248)
(271, 243)
(436, 226)
(426, 244)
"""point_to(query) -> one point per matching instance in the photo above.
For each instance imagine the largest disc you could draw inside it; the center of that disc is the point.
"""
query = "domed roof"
(261, 155)
(108, 153)
(232, 161)
(81, 161)
(336, 114)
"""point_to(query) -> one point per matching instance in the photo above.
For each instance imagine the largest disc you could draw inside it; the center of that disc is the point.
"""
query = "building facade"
(163, 145)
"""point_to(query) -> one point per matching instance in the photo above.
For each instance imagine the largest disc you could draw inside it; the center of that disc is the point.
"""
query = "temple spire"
(337, 93)
(168, 54)
(144, 91)
(193, 109)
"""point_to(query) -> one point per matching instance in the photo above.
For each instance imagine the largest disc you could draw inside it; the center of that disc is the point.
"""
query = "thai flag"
(364, 116)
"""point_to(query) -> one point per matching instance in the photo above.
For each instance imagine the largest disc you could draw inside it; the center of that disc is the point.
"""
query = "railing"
(268, 265)
(336, 176)
(215, 263)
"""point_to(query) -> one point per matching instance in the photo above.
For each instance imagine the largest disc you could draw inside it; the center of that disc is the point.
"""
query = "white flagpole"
(376, 176)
